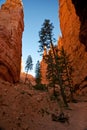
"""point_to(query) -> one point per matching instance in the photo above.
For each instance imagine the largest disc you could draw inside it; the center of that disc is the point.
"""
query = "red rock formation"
(43, 68)
(73, 23)
(11, 28)
(30, 79)
(43, 72)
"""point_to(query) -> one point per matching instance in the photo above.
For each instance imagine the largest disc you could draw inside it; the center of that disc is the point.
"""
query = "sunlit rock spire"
(9, 4)
(14, 1)
(45, 51)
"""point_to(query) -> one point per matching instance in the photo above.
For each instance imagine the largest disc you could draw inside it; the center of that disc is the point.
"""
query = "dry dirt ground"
(23, 108)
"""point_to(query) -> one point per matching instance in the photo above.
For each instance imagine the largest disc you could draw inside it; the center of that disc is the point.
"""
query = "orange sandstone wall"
(11, 28)
(43, 68)
(73, 24)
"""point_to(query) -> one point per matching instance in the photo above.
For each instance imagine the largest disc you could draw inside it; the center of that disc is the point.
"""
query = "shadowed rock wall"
(81, 11)
(73, 23)
(11, 28)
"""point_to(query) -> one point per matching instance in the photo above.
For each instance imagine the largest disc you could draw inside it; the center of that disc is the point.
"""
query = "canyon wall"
(11, 28)
(73, 24)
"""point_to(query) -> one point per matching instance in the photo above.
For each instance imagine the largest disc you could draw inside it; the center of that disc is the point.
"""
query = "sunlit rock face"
(73, 23)
(43, 68)
(43, 72)
(11, 28)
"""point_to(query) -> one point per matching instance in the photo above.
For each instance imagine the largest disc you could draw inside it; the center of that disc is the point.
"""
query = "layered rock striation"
(11, 28)
(73, 24)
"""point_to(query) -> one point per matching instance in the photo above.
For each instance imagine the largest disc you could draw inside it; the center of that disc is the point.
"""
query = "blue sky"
(35, 12)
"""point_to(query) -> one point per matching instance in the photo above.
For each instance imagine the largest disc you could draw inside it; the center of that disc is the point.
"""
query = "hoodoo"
(11, 29)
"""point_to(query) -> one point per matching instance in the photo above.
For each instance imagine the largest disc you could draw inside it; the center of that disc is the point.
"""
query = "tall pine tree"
(67, 73)
(29, 65)
(46, 39)
(38, 73)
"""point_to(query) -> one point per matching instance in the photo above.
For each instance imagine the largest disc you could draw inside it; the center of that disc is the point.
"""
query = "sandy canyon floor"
(24, 108)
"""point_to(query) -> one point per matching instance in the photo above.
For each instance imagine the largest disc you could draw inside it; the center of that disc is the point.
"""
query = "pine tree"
(67, 73)
(29, 65)
(38, 73)
(50, 73)
(46, 39)
(46, 35)
(59, 70)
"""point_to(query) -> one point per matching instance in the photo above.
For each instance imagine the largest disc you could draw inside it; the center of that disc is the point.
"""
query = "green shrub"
(41, 87)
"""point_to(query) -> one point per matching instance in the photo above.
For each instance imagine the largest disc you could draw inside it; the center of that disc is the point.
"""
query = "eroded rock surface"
(11, 28)
(73, 23)
(43, 68)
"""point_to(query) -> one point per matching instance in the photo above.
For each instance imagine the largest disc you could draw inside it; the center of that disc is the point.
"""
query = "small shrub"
(52, 97)
(41, 87)
(60, 118)
(22, 92)
(2, 128)
(44, 111)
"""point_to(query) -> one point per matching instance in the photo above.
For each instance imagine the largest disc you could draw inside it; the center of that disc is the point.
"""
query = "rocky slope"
(30, 79)
(73, 23)
(11, 28)
(23, 108)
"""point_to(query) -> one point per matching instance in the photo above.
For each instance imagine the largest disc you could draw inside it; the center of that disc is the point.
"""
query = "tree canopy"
(29, 64)
(46, 35)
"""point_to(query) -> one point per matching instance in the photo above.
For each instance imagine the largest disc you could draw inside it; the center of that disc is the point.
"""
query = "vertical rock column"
(11, 29)
(43, 67)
